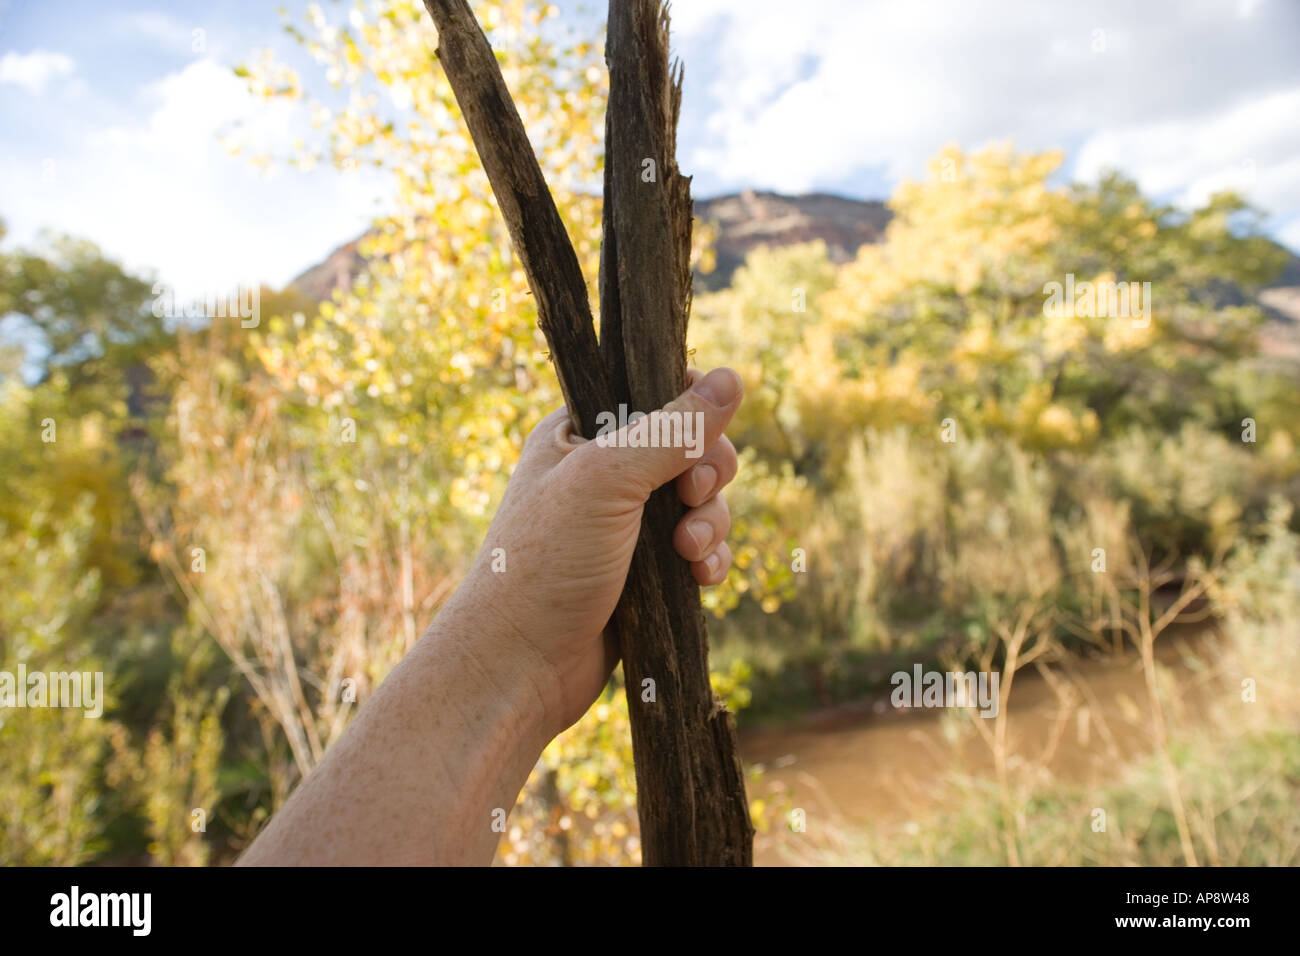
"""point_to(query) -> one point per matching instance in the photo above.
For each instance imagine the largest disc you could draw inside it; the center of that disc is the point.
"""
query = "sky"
(111, 112)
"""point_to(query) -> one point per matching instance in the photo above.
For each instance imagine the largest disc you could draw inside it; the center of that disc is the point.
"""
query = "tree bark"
(690, 783)
(536, 229)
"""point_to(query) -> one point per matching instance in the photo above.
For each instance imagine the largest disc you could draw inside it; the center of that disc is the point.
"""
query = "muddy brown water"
(869, 763)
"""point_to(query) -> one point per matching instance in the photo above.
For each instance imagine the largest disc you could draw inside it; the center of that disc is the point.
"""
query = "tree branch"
(690, 782)
(536, 229)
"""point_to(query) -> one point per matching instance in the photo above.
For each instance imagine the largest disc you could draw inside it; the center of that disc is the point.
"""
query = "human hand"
(557, 555)
(514, 657)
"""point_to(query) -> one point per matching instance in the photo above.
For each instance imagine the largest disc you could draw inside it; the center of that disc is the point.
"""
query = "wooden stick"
(690, 785)
(690, 782)
(536, 229)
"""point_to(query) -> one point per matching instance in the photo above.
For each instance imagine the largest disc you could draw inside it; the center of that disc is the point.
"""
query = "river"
(869, 763)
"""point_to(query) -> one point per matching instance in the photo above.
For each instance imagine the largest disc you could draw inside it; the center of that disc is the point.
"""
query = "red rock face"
(743, 221)
(751, 219)
(339, 270)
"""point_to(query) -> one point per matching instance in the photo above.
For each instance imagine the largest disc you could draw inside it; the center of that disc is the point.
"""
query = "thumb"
(644, 454)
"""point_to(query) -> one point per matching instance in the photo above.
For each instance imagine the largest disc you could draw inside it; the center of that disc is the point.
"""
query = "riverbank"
(866, 777)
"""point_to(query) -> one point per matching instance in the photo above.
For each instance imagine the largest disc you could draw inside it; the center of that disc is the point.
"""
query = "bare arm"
(516, 655)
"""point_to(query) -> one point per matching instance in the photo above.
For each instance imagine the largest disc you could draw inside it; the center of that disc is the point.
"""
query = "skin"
(513, 657)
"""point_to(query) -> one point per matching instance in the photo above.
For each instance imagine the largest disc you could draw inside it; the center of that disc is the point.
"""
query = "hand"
(562, 541)
(515, 656)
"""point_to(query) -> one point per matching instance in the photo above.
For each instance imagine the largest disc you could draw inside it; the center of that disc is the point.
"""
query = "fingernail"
(701, 532)
(721, 386)
(703, 479)
(711, 563)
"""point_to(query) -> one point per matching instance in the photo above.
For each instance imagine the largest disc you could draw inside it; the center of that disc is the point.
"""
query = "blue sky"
(109, 112)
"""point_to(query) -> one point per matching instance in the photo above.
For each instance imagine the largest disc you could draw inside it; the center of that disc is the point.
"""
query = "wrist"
(477, 635)
(419, 777)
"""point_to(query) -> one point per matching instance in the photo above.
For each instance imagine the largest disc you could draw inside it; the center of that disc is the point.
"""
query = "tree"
(83, 304)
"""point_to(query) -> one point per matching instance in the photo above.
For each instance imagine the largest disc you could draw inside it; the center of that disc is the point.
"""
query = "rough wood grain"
(536, 229)
(690, 786)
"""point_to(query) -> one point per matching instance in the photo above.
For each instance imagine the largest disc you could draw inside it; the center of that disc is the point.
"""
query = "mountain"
(743, 221)
(749, 219)
(338, 271)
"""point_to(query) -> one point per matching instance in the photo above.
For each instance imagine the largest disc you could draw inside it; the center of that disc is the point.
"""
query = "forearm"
(515, 656)
(449, 737)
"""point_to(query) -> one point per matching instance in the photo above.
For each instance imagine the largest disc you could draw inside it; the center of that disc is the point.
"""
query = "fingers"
(557, 420)
(645, 454)
(709, 475)
(702, 529)
(713, 569)
(700, 538)
(699, 487)
(547, 444)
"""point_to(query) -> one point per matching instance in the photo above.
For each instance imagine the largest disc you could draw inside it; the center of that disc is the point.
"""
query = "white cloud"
(158, 27)
(1289, 234)
(168, 34)
(164, 194)
(1253, 148)
(34, 71)
(1178, 92)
